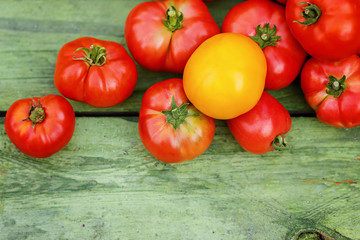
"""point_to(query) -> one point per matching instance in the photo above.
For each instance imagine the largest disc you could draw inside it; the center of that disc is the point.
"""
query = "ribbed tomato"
(100, 73)
(327, 30)
(225, 76)
(332, 89)
(170, 127)
(40, 127)
(162, 35)
(268, 27)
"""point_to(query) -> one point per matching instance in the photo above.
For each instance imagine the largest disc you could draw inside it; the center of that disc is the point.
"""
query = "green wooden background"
(105, 185)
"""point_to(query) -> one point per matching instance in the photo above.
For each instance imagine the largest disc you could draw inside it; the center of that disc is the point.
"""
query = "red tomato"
(170, 127)
(262, 129)
(40, 127)
(161, 35)
(269, 29)
(332, 89)
(100, 73)
(327, 30)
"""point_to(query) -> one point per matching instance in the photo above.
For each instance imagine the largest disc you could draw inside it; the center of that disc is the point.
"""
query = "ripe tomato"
(170, 127)
(269, 29)
(327, 30)
(100, 73)
(225, 76)
(262, 129)
(40, 127)
(161, 35)
(332, 89)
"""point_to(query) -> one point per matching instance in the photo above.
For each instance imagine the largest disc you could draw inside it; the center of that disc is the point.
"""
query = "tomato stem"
(279, 143)
(177, 114)
(311, 13)
(174, 19)
(336, 86)
(93, 56)
(266, 36)
(36, 113)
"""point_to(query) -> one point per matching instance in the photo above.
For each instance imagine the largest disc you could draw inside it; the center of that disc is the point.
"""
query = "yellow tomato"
(225, 76)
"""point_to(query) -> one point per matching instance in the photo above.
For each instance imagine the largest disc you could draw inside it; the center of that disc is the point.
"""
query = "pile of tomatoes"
(262, 45)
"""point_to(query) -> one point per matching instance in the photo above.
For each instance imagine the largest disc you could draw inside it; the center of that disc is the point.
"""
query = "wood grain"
(105, 185)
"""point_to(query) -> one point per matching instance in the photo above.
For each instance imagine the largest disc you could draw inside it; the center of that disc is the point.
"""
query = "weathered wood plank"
(32, 32)
(105, 185)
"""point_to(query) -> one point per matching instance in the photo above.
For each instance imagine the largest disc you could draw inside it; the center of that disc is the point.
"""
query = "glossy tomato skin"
(256, 130)
(334, 36)
(157, 48)
(225, 76)
(43, 139)
(337, 111)
(99, 86)
(190, 139)
(286, 57)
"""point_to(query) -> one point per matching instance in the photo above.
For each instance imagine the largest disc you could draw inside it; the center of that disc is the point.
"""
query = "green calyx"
(93, 56)
(174, 19)
(177, 114)
(311, 13)
(279, 143)
(266, 36)
(36, 113)
(336, 87)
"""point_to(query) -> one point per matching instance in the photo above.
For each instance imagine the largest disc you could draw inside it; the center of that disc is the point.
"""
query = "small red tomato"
(264, 22)
(170, 127)
(162, 35)
(40, 127)
(332, 89)
(100, 73)
(262, 129)
(327, 30)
